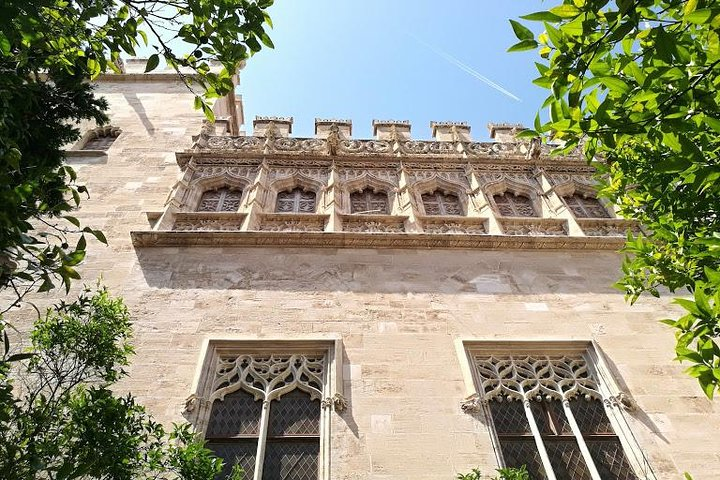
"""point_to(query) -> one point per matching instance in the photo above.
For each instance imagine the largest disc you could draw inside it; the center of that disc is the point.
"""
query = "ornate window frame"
(213, 360)
(616, 401)
(505, 187)
(291, 183)
(432, 185)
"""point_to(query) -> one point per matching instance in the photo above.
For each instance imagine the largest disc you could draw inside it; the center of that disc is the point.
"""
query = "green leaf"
(4, 44)
(152, 62)
(542, 17)
(712, 123)
(19, 356)
(615, 84)
(265, 39)
(565, 11)
(521, 31)
(72, 220)
(698, 17)
(523, 45)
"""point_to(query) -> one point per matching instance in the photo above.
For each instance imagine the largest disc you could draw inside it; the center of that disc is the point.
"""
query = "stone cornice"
(142, 239)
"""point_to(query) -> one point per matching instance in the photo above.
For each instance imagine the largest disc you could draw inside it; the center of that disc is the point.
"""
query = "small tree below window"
(510, 205)
(295, 201)
(438, 203)
(221, 200)
(586, 207)
(368, 201)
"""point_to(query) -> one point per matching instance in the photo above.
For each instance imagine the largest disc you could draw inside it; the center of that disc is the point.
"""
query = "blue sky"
(392, 59)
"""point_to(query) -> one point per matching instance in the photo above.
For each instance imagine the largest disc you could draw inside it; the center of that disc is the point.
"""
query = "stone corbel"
(472, 404)
(621, 400)
(194, 402)
(337, 403)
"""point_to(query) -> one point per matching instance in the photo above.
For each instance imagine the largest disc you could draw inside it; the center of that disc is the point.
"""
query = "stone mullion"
(480, 205)
(581, 441)
(405, 203)
(538, 441)
(554, 207)
(256, 198)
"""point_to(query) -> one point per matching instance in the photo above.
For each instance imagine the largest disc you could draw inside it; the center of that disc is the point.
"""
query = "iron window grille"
(586, 207)
(220, 200)
(295, 201)
(369, 202)
(439, 203)
(548, 414)
(509, 205)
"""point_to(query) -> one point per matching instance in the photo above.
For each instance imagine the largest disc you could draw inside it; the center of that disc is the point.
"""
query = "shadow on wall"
(380, 271)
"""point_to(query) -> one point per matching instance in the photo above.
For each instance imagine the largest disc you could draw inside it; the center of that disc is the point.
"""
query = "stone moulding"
(208, 221)
(608, 227)
(373, 223)
(169, 238)
(292, 222)
(531, 226)
(454, 225)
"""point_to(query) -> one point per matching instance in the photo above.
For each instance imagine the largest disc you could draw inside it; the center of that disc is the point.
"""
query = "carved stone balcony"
(454, 225)
(533, 227)
(292, 222)
(373, 223)
(208, 221)
(607, 227)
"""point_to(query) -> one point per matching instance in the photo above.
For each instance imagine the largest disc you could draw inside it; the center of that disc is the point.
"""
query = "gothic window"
(295, 201)
(220, 200)
(438, 203)
(369, 202)
(510, 205)
(101, 138)
(548, 415)
(586, 207)
(269, 422)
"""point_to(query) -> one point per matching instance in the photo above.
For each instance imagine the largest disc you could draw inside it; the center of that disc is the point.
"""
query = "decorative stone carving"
(558, 179)
(337, 402)
(373, 223)
(622, 401)
(526, 179)
(246, 173)
(293, 222)
(472, 404)
(414, 147)
(533, 226)
(364, 147)
(456, 177)
(607, 227)
(208, 221)
(534, 378)
(319, 174)
(385, 175)
(454, 225)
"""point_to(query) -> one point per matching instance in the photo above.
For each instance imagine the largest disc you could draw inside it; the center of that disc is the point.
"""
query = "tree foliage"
(636, 84)
(63, 421)
(49, 49)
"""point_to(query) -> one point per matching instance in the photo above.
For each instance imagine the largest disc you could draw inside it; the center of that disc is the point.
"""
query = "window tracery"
(295, 201)
(549, 415)
(265, 415)
(221, 200)
(510, 205)
(369, 202)
(439, 203)
(585, 207)
(101, 138)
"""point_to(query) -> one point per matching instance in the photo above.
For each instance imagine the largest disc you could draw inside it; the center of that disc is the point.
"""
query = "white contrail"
(466, 68)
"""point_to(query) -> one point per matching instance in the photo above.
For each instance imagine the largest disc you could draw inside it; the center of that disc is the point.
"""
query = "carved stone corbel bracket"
(472, 404)
(337, 403)
(621, 400)
(193, 402)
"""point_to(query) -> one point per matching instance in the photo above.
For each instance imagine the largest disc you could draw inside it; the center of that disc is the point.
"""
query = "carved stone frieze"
(454, 225)
(244, 172)
(208, 221)
(557, 179)
(607, 227)
(388, 175)
(364, 147)
(452, 176)
(527, 179)
(420, 147)
(319, 174)
(373, 223)
(292, 222)
(533, 226)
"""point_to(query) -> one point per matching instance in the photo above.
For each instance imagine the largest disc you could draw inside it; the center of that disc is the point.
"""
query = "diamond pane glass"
(519, 452)
(295, 413)
(610, 459)
(591, 417)
(510, 205)
(291, 460)
(509, 418)
(438, 203)
(237, 414)
(557, 413)
(295, 201)
(241, 452)
(586, 207)
(566, 460)
(368, 202)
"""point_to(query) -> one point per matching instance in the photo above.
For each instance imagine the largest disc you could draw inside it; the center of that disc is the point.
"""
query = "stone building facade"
(386, 308)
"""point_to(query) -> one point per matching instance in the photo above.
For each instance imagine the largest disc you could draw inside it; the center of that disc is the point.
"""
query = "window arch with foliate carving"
(511, 205)
(295, 201)
(368, 201)
(224, 199)
(440, 203)
(585, 207)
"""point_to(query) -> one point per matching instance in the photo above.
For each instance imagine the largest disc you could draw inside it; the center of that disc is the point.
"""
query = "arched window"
(586, 207)
(220, 200)
(101, 138)
(295, 201)
(438, 203)
(370, 202)
(510, 205)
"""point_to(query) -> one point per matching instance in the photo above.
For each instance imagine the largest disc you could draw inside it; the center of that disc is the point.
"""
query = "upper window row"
(370, 202)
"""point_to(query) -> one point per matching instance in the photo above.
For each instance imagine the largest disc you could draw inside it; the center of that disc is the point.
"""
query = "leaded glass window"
(295, 201)
(280, 392)
(557, 398)
(369, 202)
(509, 205)
(439, 203)
(586, 207)
(220, 200)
